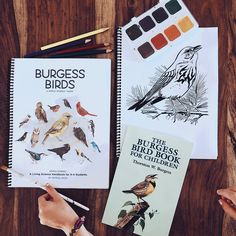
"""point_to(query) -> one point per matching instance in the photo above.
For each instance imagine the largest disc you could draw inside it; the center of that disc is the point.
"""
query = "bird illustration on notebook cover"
(54, 108)
(24, 121)
(59, 127)
(23, 137)
(35, 137)
(40, 113)
(82, 111)
(179, 85)
(35, 156)
(66, 103)
(80, 135)
(61, 151)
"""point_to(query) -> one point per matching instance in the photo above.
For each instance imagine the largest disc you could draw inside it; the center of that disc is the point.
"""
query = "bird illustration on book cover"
(135, 215)
(177, 91)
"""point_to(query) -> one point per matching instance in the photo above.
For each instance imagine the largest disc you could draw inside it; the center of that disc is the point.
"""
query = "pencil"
(85, 48)
(78, 54)
(10, 170)
(61, 47)
(86, 35)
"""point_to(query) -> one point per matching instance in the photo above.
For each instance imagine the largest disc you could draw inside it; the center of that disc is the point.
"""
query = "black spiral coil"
(118, 73)
(12, 68)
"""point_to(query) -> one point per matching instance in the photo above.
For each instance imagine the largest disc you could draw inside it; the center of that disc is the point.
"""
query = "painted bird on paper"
(35, 137)
(61, 151)
(175, 81)
(95, 146)
(23, 137)
(80, 135)
(143, 188)
(82, 155)
(82, 111)
(66, 103)
(35, 156)
(40, 113)
(59, 127)
(92, 127)
(26, 120)
(54, 108)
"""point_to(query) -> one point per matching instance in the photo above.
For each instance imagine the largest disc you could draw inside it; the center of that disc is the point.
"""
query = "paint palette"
(159, 28)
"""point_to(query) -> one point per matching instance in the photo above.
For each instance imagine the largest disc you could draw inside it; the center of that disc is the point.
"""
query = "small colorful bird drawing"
(175, 81)
(66, 103)
(23, 137)
(61, 151)
(143, 188)
(82, 111)
(59, 127)
(26, 120)
(40, 112)
(35, 156)
(54, 108)
(80, 135)
(35, 137)
(95, 146)
(92, 127)
(82, 155)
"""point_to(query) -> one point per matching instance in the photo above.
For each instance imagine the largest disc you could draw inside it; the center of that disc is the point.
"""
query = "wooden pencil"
(20, 175)
(85, 48)
(83, 53)
(79, 42)
(86, 35)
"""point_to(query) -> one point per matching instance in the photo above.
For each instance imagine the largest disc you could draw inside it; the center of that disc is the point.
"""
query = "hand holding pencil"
(56, 213)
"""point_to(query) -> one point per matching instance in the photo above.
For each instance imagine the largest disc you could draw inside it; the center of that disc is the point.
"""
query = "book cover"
(60, 122)
(147, 182)
(174, 91)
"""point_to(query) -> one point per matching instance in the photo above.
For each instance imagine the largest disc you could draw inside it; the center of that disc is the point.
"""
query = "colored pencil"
(83, 53)
(85, 48)
(86, 35)
(20, 175)
(61, 47)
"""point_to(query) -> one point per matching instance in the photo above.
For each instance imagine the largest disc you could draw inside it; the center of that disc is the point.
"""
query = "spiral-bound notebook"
(174, 91)
(60, 122)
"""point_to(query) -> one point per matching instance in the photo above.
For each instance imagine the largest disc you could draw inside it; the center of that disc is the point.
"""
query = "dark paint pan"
(146, 50)
(134, 32)
(173, 7)
(147, 23)
(160, 15)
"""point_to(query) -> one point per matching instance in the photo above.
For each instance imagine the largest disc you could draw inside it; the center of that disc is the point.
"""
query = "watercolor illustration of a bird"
(95, 146)
(23, 137)
(35, 137)
(143, 188)
(66, 103)
(40, 113)
(26, 120)
(82, 155)
(80, 135)
(175, 81)
(92, 127)
(54, 108)
(35, 156)
(59, 127)
(82, 111)
(61, 151)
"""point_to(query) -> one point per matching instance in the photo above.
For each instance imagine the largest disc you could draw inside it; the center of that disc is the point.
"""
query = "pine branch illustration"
(137, 93)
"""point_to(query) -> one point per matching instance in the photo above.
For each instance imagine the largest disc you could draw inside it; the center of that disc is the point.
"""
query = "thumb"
(52, 192)
(228, 209)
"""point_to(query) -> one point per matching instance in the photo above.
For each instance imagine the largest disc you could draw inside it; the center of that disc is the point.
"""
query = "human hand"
(228, 201)
(56, 213)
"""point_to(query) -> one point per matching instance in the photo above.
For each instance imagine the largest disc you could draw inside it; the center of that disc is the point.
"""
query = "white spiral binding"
(118, 75)
(11, 120)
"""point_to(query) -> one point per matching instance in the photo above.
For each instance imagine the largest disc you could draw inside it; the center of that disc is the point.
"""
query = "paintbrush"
(42, 186)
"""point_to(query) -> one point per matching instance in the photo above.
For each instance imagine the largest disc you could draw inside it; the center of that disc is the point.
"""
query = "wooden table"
(25, 25)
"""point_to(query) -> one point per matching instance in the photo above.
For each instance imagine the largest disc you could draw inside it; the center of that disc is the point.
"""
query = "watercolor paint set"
(159, 28)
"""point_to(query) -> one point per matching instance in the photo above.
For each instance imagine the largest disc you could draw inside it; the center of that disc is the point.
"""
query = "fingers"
(228, 193)
(52, 192)
(231, 211)
(42, 199)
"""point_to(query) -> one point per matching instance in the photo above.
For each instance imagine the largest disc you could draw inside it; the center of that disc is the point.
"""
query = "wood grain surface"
(25, 25)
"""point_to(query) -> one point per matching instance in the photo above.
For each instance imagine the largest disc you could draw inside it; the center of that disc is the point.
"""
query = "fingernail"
(48, 185)
(220, 202)
(218, 191)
